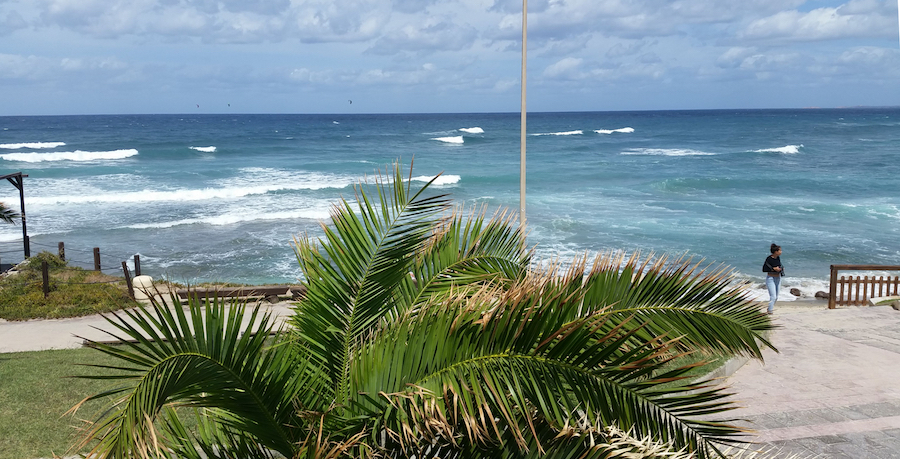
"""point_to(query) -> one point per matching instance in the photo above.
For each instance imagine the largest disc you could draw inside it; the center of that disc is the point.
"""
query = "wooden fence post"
(96, 258)
(45, 275)
(137, 265)
(832, 290)
(62, 251)
(128, 280)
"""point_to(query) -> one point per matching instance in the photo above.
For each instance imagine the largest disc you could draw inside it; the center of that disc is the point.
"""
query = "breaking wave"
(209, 149)
(31, 145)
(454, 139)
(787, 149)
(665, 152)
(624, 130)
(77, 155)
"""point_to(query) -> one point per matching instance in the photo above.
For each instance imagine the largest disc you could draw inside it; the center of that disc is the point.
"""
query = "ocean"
(221, 197)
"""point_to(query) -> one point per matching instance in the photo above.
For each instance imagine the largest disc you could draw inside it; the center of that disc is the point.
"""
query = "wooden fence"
(857, 290)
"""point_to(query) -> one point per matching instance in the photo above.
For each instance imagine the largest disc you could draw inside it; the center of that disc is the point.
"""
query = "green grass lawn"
(36, 390)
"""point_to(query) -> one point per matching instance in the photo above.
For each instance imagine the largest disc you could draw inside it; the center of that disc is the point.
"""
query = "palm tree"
(427, 333)
(7, 215)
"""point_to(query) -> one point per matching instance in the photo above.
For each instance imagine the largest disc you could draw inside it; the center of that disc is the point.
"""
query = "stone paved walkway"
(833, 391)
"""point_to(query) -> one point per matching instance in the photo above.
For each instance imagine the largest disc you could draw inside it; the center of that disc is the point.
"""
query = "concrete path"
(43, 334)
(833, 391)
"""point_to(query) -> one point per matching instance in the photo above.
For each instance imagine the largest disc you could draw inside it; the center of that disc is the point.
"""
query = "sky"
(61, 57)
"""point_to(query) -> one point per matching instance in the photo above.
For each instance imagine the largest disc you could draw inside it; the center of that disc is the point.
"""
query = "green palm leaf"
(352, 286)
(466, 250)
(679, 298)
(205, 358)
(7, 215)
(462, 374)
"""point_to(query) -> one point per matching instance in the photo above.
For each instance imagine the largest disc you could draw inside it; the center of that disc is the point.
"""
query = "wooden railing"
(856, 291)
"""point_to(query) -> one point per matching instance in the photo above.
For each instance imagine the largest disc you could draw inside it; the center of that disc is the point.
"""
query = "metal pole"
(21, 186)
(524, 116)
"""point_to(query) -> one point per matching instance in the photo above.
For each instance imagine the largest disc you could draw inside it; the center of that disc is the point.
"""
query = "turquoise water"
(220, 197)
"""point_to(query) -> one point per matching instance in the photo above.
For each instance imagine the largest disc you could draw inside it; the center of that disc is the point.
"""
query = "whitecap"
(12, 237)
(199, 194)
(236, 217)
(442, 180)
(209, 149)
(77, 155)
(335, 122)
(32, 145)
(472, 130)
(454, 139)
(576, 132)
(624, 130)
(665, 152)
(787, 149)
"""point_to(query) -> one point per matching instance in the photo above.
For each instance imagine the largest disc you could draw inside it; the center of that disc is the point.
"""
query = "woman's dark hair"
(775, 248)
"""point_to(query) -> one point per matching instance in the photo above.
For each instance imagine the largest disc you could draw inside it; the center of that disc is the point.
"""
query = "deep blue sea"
(220, 197)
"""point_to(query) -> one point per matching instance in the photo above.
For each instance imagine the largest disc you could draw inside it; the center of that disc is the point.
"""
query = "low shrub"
(74, 292)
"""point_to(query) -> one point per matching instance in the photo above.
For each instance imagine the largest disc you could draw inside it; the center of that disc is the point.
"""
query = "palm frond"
(7, 215)
(202, 358)
(485, 373)
(468, 249)
(700, 303)
(351, 286)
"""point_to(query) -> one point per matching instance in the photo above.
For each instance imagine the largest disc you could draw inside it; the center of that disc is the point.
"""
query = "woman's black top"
(771, 263)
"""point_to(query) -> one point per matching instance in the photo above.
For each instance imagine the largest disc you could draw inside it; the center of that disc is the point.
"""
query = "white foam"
(442, 180)
(236, 217)
(454, 139)
(198, 194)
(335, 122)
(210, 149)
(665, 152)
(624, 130)
(12, 237)
(32, 145)
(77, 155)
(577, 132)
(787, 149)
(472, 130)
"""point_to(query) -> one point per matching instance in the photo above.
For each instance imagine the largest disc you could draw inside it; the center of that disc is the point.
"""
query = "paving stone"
(878, 410)
(886, 453)
(786, 449)
(888, 441)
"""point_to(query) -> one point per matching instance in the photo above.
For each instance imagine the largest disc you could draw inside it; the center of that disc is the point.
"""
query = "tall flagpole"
(522, 132)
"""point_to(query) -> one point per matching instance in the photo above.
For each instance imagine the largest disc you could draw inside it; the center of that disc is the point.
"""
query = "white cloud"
(565, 68)
(275, 48)
(857, 18)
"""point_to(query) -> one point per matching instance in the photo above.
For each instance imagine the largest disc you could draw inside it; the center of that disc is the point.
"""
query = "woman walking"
(774, 270)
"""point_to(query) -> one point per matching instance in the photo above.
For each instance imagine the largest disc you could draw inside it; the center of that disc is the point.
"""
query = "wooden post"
(844, 282)
(137, 265)
(45, 275)
(96, 258)
(832, 289)
(128, 280)
(62, 251)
